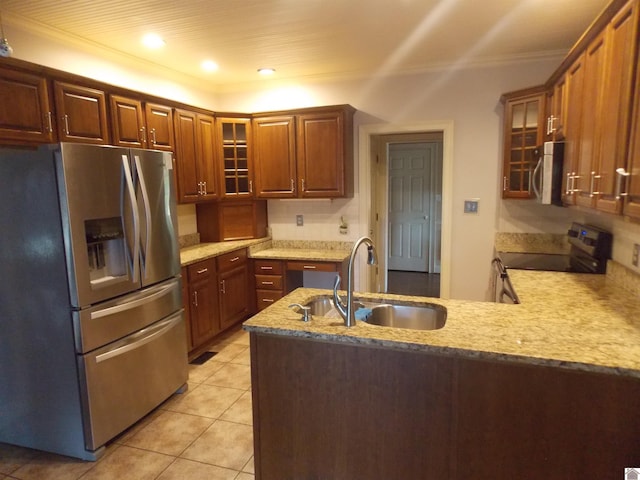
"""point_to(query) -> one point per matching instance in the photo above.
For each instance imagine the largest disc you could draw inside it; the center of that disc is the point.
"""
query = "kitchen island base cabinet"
(344, 411)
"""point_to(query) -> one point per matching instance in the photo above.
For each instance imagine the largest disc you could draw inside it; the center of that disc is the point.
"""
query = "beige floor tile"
(13, 457)
(241, 411)
(170, 433)
(231, 375)
(249, 467)
(139, 425)
(198, 373)
(45, 466)
(183, 469)
(244, 358)
(224, 444)
(245, 476)
(227, 352)
(238, 336)
(129, 463)
(206, 401)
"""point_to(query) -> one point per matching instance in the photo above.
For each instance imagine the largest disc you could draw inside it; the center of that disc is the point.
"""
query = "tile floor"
(205, 433)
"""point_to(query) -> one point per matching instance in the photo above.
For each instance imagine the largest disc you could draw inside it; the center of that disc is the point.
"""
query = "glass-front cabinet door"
(234, 152)
(523, 134)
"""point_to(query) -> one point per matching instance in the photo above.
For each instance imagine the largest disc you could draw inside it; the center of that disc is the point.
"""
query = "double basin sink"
(387, 314)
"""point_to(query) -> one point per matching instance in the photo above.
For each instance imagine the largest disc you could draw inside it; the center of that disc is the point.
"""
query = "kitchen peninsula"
(546, 389)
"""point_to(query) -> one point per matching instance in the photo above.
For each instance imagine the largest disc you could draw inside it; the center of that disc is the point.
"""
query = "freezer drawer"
(125, 380)
(108, 321)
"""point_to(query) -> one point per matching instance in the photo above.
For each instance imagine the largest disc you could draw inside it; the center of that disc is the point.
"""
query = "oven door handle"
(141, 338)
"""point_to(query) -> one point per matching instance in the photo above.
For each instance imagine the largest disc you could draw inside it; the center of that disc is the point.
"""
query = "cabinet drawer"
(269, 282)
(268, 267)
(201, 269)
(231, 260)
(312, 266)
(267, 297)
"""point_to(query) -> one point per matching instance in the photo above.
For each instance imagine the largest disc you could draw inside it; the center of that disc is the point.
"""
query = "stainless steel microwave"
(547, 175)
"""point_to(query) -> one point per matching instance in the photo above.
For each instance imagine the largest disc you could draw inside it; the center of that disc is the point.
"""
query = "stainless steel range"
(93, 333)
(589, 252)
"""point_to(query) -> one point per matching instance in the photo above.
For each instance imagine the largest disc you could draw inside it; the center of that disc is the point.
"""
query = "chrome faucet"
(347, 312)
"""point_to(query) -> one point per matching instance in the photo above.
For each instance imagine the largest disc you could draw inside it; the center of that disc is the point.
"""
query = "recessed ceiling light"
(152, 40)
(266, 71)
(209, 65)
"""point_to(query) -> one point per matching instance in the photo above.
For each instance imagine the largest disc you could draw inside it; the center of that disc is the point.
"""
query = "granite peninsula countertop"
(569, 320)
(265, 248)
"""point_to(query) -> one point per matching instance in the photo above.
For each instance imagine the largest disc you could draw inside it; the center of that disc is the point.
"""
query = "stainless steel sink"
(417, 317)
(427, 317)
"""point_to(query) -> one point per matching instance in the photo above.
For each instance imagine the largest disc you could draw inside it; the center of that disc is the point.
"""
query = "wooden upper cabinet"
(235, 165)
(127, 122)
(615, 114)
(324, 146)
(194, 156)
(574, 86)
(630, 183)
(81, 113)
(159, 123)
(275, 156)
(524, 130)
(25, 108)
(557, 109)
(305, 154)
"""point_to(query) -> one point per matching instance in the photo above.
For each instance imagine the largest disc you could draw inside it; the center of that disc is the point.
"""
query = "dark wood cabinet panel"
(334, 411)
(275, 156)
(236, 220)
(573, 92)
(81, 114)
(127, 122)
(194, 156)
(203, 302)
(321, 154)
(159, 127)
(233, 278)
(550, 422)
(25, 108)
(630, 185)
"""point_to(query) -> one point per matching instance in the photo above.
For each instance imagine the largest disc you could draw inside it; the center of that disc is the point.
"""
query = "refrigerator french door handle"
(135, 263)
(147, 212)
(148, 297)
(535, 172)
(160, 329)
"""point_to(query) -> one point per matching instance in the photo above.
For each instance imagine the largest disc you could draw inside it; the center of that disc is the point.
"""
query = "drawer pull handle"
(268, 300)
(234, 259)
(202, 270)
(266, 268)
(267, 283)
(309, 267)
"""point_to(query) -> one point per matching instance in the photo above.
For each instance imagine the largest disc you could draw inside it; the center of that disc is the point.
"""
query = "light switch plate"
(471, 206)
(299, 220)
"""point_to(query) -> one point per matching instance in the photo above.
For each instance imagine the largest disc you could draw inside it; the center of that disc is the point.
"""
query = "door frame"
(375, 279)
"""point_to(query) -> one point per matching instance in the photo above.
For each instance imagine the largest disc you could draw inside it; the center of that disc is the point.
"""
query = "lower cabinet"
(216, 293)
(334, 410)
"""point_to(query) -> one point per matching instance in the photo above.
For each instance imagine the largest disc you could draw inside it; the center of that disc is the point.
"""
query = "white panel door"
(409, 206)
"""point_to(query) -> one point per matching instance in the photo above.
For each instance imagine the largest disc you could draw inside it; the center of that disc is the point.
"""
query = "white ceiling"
(312, 38)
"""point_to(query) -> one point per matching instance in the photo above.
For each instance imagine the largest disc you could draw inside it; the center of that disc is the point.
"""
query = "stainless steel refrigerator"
(92, 332)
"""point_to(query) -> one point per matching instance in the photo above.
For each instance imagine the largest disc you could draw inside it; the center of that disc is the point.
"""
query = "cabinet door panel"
(25, 111)
(159, 120)
(82, 114)
(186, 156)
(275, 165)
(235, 168)
(574, 91)
(234, 296)
(206, 155)
(320, 155)
(127, 121)
(614, 120)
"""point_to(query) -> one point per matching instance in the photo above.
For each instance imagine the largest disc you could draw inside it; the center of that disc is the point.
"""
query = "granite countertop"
(578, 321)
(265, 248)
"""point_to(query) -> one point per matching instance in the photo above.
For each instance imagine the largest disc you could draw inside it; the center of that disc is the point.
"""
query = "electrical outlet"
(471, 206)
(636, 254)
(299, 220)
